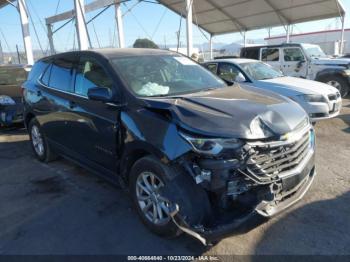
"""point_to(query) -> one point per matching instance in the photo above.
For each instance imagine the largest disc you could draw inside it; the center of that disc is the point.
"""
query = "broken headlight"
(212, 146)
(6, 100)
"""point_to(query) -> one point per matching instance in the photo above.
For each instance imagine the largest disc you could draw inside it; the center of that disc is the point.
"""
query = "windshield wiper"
(162, 95)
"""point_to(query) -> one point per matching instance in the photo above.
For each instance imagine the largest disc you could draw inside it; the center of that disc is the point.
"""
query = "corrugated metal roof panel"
(230, 16)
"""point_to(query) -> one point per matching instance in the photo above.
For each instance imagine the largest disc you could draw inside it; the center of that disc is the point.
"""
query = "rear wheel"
(339, 83)
(39, 142)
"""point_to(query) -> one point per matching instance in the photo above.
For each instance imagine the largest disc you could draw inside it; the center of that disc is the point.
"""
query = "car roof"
(117, 52)
(272, 46)
(233, 60)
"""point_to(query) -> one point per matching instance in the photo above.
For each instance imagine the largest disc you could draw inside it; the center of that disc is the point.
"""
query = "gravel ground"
(62, 209)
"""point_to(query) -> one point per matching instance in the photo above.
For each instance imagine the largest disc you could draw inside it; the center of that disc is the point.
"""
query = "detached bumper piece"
(265, 209)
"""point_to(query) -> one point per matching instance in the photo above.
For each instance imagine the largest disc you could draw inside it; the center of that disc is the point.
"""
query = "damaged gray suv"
(198, 155)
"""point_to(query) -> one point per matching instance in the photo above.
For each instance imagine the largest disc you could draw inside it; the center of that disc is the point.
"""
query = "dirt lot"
(61, 209)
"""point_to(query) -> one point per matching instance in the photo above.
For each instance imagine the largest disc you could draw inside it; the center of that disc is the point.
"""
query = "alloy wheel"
(152, 204)
(37, 140)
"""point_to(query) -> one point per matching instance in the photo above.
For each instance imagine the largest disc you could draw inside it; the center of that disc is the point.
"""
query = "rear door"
(54, 90)
(272, 57)
(94, 131)
(294, 62)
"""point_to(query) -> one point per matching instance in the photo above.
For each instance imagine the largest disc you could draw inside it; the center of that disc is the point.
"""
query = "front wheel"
(339, 83)
(147, 180)
(155, 187)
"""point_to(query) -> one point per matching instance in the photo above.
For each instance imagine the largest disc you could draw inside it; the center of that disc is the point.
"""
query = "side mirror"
(102, 94)
(240, 78)
(300, 63)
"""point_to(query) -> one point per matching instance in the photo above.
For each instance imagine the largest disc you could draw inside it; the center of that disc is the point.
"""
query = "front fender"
(145, 132)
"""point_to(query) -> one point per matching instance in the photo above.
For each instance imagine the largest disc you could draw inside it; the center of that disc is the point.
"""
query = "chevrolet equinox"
(197, 155)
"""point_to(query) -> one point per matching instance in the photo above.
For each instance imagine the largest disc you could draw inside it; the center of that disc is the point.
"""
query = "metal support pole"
(50, 36)
(18, 55)
(25, 31)
(1, 54)
(189, 27)
(83, 40)
(120, 27)
(211, 47)
(288, 34)
(342, 44)
(245, 39)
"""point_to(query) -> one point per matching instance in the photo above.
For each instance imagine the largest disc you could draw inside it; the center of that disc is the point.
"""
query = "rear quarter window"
(212, 67)
(251, 53)
(61, 75)
(37, 70)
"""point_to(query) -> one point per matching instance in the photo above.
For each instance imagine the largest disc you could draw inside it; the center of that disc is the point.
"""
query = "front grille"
(268, 160)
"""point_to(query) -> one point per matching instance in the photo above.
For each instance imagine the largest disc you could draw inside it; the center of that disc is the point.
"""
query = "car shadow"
(307, 231)
(60, 208)
(346, 120)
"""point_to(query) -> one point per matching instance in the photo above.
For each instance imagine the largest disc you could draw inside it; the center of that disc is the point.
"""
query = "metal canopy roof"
(230, 16)
(4, 3)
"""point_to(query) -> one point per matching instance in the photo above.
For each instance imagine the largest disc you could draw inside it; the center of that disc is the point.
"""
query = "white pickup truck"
(305, 61)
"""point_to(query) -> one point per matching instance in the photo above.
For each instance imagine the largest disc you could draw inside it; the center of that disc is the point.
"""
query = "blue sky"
(144, 21)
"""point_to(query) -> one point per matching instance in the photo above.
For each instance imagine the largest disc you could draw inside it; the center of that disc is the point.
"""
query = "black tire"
(47, 154)
(178, 187)
(343, 84)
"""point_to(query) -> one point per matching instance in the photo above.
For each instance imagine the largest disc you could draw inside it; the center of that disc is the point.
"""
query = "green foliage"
(145, 43)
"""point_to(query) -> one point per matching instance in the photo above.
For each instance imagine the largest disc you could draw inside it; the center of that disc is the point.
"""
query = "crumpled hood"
(301, 85)
(331, 61)
(232, 112)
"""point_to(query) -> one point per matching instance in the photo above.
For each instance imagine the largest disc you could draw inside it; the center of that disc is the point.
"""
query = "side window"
(270, 55)
(61, 75)
(90, 74)
(293, 55)
(228, 72)
(213, 68)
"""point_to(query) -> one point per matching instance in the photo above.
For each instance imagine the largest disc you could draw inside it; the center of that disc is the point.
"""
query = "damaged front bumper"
(268, 194)
(265, 209)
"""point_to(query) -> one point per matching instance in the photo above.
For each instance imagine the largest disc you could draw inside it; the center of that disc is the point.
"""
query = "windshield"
(13, 76)
(314, 51)
(164, 75)
(260, 71)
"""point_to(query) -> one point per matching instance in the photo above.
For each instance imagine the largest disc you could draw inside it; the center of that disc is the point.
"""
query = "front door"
(95, 130)
(294, 62)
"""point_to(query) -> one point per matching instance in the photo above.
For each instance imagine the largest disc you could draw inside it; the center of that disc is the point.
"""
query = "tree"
(145, 43)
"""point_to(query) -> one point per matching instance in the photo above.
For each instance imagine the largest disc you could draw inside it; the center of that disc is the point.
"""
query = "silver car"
(319, 100)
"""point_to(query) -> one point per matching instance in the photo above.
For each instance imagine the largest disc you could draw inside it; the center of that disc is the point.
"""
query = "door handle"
(72, 104)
